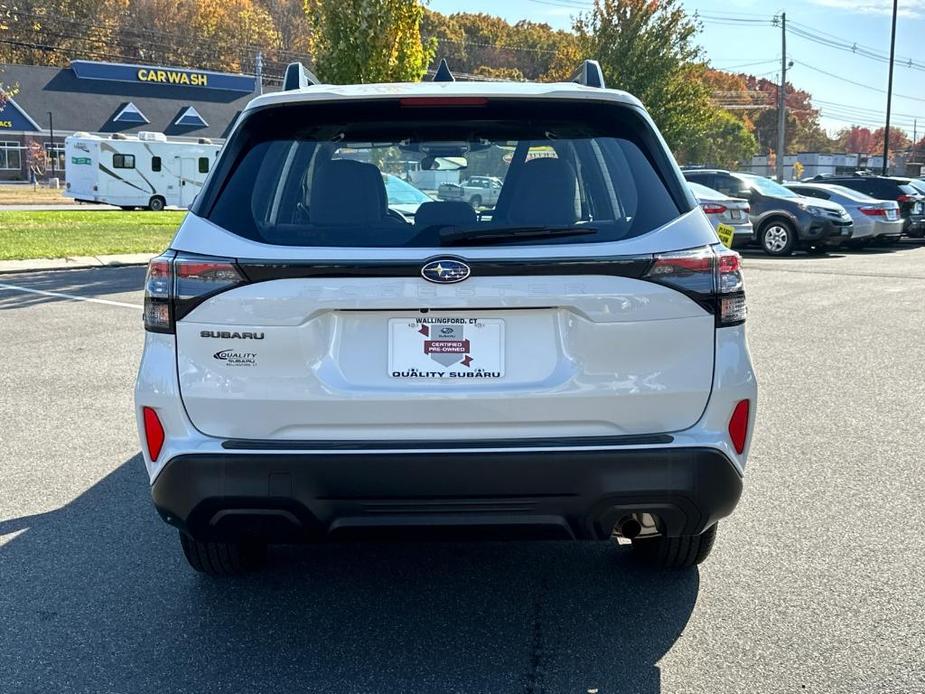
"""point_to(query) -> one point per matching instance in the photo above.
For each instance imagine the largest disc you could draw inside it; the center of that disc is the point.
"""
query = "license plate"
(735, 214)
(438, 348)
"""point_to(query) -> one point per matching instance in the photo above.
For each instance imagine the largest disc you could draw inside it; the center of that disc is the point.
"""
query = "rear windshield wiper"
(455, 236)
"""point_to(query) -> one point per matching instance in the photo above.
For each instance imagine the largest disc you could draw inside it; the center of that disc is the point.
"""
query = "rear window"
(390, 174)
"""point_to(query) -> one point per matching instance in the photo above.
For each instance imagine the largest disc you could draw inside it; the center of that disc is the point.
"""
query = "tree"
(856, 139)
(360, 41)
(898, 140)
(648, 49)
(726, 143)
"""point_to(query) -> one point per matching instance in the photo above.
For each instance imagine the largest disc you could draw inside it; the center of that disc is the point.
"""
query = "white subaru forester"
(568, 363)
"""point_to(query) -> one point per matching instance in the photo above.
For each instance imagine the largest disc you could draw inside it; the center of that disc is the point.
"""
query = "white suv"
(570, 363)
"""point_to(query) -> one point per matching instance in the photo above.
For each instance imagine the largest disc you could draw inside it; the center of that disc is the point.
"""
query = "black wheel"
(222, 558)
(675, 552)
(777, 238)
(156, 204)
(475, 201)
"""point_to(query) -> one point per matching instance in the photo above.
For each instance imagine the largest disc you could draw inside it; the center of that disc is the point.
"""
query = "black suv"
(901, 189)
(783, 221)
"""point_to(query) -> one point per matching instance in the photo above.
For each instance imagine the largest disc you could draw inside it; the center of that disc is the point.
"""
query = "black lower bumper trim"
(571, 493)
(334, 445)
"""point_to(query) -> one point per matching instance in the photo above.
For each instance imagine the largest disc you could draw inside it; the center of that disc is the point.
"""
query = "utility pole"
(51, 136)
(915, 134)
(889, 93)
(781, 100)
(259, 70)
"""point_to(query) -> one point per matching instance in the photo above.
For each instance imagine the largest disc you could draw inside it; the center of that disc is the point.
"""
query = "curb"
(74, 263)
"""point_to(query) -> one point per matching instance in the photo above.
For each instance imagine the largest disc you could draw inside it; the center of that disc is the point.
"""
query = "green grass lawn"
(66, 233)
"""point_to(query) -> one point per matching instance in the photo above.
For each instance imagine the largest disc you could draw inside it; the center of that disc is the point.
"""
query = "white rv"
(146, 170)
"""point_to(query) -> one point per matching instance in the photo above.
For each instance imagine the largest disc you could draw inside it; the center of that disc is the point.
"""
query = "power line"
(857, 84)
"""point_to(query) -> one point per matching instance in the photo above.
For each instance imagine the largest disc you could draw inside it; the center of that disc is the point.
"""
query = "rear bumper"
(570, 494)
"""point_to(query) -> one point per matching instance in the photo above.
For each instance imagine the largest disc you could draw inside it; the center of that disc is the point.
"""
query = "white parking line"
(59, 295)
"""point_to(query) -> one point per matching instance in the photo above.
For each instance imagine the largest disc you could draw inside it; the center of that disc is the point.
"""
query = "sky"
(738, 36)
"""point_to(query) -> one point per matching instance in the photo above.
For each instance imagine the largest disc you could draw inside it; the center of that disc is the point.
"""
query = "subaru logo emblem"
(445, 271)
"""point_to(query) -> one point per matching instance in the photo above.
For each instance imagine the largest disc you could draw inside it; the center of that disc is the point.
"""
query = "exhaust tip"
(629, 528)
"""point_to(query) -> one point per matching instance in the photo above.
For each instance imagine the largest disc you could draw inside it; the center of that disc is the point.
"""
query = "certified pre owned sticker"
(232, 357)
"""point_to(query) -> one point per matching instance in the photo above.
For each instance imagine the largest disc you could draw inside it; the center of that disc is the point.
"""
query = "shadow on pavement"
(96, 597)
(92, 282)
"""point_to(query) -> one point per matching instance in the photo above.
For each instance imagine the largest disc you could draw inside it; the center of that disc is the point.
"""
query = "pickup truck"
(478, 191)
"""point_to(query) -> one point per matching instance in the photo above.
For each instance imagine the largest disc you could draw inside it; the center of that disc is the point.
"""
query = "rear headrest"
(545, 194)
(449, 213)
(347, 192)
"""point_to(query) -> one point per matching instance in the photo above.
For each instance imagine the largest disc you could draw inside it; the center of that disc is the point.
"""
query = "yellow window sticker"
(725, 233)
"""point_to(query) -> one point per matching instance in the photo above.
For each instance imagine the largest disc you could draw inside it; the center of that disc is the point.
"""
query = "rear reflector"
(738, 426)
(154, 432)
(712, 208)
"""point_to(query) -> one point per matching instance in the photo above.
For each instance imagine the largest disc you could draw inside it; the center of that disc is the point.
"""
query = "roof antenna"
(443, 73)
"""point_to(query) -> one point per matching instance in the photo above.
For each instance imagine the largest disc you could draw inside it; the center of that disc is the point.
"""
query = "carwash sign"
(151, 74)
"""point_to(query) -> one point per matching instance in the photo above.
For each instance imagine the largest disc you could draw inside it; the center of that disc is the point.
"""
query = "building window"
(203, 164)
(155, 164)
(123, 161)
(10, 156)
(130, 114)
(55, 154)
(189, 117)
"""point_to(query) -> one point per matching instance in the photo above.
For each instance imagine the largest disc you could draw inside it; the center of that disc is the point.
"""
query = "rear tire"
(223, 558)
(675, 552)
(156, 204)
(475, 201)
(777, 238)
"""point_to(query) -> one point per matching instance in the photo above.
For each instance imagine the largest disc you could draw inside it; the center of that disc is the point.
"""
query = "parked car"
(873, 219)
(722, 209)
(911, 200)
(783, 220)
(403, 197)
(478, 191)
(316, 366)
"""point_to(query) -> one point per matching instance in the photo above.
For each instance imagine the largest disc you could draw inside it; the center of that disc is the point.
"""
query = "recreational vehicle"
(146, 170)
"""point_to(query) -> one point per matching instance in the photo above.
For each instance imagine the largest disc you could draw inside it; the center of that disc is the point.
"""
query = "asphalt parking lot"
(817, 582)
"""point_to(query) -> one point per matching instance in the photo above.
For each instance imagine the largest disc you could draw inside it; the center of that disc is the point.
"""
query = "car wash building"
(51, 103)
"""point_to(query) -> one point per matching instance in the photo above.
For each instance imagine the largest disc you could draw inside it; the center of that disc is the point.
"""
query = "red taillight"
(176, 284)
(712, 277)
(738, 426)
(158, 292)
(429, 101)
(906, 198)
(873, 211)
(712, 208)
(154, 432)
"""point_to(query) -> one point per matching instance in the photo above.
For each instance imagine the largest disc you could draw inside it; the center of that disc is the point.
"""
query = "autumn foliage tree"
(361, 41)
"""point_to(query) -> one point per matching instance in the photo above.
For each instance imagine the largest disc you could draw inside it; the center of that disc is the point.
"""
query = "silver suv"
(570, 362)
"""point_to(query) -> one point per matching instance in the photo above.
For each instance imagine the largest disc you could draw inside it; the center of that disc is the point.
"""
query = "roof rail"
(589, 74)
(443, 73)
(298, 76)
